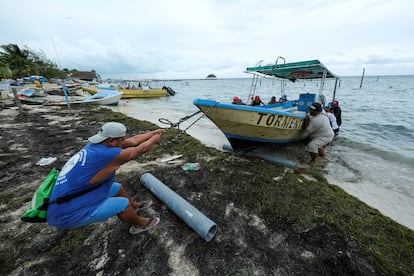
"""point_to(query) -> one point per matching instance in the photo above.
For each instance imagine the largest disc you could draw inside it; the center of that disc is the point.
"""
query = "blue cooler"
(305, 100)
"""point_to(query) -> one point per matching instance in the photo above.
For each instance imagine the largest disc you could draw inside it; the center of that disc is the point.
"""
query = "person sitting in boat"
(37, 83)
(256, 101)
(237, 100)
(283, 99)
(337, 112)
(320, 131)
(272, 100)
(332, 120)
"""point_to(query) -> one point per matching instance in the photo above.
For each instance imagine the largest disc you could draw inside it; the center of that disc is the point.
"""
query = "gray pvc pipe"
(205, 227)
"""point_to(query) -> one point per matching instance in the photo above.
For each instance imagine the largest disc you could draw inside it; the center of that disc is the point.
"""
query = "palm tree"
(16, 59)
(24, 62)
(5, 71)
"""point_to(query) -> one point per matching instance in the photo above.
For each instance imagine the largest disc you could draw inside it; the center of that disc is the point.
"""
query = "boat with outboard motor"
(130, 90)
(273, 123)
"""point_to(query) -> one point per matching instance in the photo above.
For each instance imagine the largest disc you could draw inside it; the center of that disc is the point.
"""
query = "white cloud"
(191, 39)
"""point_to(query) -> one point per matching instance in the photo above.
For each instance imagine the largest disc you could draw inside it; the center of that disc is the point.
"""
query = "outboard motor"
(169, 90)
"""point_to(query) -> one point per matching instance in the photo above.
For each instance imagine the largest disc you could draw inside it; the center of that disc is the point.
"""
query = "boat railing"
(253, 87)
(284, 61)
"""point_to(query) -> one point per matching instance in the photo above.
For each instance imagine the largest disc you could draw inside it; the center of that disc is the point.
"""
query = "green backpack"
(37, 211)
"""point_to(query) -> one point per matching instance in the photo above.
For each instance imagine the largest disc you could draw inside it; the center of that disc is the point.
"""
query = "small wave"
(342, 169)
(372, 147)
(392, 141)
(400, 131)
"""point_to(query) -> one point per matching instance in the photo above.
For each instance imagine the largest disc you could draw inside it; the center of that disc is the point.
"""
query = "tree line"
(17, 62)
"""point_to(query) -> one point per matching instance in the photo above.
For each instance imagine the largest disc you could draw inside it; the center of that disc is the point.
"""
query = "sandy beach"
(283, 222)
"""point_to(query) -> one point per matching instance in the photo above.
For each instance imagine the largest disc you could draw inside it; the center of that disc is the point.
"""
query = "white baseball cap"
(109, 130)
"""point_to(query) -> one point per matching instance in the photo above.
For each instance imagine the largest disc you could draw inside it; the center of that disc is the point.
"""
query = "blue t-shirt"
(74, 177)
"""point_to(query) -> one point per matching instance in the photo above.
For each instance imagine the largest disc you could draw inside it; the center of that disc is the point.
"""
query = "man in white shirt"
(332, 120)
(320, 131)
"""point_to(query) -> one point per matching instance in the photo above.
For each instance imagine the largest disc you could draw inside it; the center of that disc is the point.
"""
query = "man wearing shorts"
(320, 131)
(93, 167)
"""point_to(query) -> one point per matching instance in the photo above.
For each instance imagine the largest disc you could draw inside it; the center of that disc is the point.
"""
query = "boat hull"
(102, 97)
(31, 100)
(105, 97)
(134, 93)
(140, 93)
(248, 124)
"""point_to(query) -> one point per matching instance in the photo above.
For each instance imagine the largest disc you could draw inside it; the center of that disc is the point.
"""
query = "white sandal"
(152, 222)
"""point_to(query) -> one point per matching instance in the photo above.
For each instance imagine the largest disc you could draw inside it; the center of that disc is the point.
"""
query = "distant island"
(211, 76)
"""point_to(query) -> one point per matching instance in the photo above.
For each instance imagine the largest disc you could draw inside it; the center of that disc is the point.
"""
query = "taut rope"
(177, 125)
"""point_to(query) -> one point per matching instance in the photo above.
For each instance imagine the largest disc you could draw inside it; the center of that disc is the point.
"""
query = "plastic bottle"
(191, 166)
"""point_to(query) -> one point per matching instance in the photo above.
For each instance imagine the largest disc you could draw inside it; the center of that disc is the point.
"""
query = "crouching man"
(93, 169)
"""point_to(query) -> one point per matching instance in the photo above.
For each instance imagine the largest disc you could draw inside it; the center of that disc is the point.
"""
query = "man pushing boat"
(320, 131)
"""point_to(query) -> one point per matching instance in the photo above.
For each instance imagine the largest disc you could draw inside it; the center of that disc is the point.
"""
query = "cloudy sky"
(194, 38)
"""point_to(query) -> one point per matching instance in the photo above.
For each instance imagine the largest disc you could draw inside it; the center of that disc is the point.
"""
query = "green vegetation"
(314, 204)
(16, 62)
(305, 202)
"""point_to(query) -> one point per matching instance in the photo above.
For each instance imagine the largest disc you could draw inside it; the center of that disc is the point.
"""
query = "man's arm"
(140, 138)
(139, 144)
(306, 122)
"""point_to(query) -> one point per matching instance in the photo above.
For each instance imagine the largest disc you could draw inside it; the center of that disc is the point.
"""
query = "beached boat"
(30, 100)
(275, 123)
(130, 93)
(103, 97)
(32, 92)
(142, 89)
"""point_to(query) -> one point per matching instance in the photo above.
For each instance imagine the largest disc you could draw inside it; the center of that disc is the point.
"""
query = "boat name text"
(280, 121)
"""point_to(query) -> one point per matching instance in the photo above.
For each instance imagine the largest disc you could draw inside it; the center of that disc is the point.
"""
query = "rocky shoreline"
(276, 223)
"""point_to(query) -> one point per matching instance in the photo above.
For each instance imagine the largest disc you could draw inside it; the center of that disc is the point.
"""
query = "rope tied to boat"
(177, 125)
(173, 125)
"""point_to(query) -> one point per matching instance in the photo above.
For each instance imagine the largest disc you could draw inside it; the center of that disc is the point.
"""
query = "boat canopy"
(311, 69)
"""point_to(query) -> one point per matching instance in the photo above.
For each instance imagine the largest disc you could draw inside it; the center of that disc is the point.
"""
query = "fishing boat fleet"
(97, 95)
(242, 124)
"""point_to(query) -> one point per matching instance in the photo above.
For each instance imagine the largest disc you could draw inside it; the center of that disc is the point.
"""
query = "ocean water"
(371, 159)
